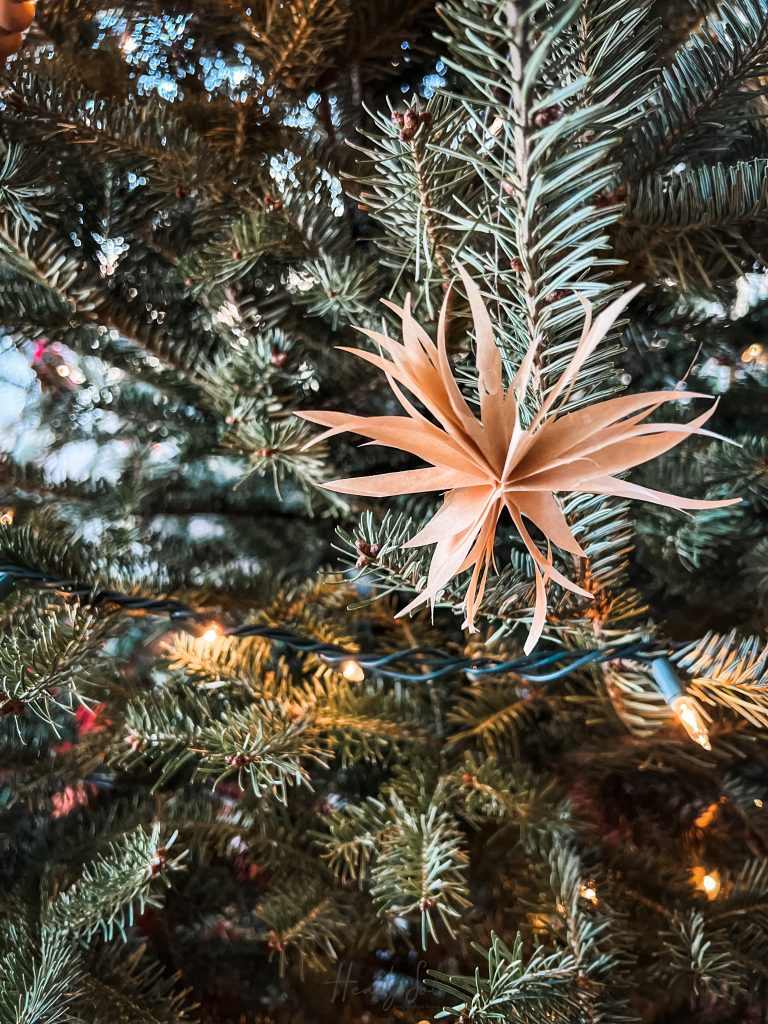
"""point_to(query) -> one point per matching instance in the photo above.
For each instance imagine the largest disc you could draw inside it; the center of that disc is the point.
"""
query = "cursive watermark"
(389, 989)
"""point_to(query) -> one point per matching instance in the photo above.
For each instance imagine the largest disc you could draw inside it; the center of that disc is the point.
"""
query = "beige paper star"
(490, 463)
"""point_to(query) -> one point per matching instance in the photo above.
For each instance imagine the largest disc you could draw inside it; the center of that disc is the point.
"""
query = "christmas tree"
(237, 783)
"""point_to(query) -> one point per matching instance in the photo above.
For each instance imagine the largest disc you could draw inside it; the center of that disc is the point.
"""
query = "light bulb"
(211, 634)
(687, 710)
(709, 814)
(588, 892)
(752, 353)
(707, 882)
(352, 671)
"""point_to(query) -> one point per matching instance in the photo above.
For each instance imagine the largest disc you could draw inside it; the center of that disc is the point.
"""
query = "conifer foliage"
(198, 204)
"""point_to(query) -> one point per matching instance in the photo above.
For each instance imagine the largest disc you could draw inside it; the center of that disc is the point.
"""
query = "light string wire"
(411, 664)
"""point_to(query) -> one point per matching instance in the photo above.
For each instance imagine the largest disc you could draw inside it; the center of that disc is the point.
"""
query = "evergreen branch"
(262, 745)
(143, 131)
(241, 662)
(706, 959)
(355, 834)
(37, 981)
(486, 789)
(411, 190)
(713, 195)
(545, 155)
(493, 715)
(697, 226)
(46, 670)
(114, 888)
(706, 79)
(233, 258)
(533, 991)
(586, 927)
(278, 449)
(128, 986)
(420, 866)
(732, 672)
(20, 185)
(295, 37)
(364, 726)
(409, 853)
(305, 919)
(267, 836)
(43, 259)
(342, 292)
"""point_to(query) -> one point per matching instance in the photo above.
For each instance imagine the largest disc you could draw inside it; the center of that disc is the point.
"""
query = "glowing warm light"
(752, 354)
(687, 710)
(7, 518)
(63, 370)
(707, 882)
(211, 634)
(708, 815)
(588, 892)
(352, 671)
(758, 802)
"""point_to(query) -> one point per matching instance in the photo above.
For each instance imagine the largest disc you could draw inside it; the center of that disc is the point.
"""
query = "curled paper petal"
(489, 465)
(15, 18)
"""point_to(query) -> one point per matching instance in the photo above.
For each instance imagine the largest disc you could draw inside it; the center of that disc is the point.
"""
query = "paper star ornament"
(15, 18)
(490, 463)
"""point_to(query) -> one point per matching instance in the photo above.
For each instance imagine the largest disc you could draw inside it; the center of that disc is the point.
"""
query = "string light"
(63, 370)
(682, 705)
(753, 354)
(411, 664)
(710, 885)
(707, 882)
(758, 802)
(709, 814)
(352, 671)
(588, 891)
(692, 720)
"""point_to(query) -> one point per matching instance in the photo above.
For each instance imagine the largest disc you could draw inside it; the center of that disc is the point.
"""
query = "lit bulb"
(588, 892)
(63, 370)
(707, 882)
(709, 814)
(758, 802)
(752, 353)
(687, 710)
(352, 671)
(211, 634)
(710, 884)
